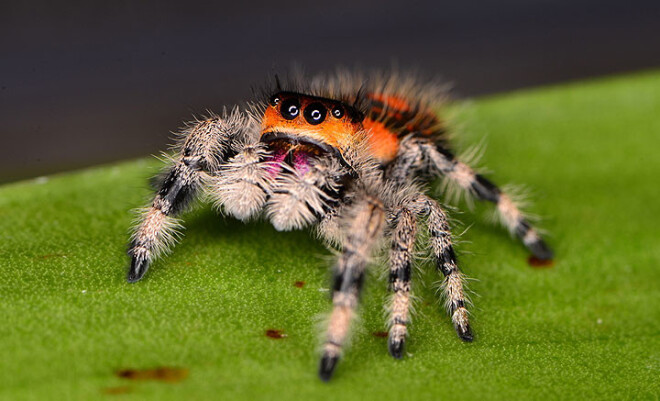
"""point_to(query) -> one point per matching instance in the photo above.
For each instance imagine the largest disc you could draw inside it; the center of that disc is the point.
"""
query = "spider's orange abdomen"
(396, 104)
(390, 117)
(383, 142)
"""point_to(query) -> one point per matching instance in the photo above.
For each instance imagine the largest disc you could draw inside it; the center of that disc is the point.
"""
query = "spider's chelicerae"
(350, 156)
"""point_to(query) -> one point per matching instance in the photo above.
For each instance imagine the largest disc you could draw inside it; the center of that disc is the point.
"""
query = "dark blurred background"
(84, 83)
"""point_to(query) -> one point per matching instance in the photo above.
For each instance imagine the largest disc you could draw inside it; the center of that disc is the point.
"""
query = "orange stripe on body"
(383, 143)
(391, 101)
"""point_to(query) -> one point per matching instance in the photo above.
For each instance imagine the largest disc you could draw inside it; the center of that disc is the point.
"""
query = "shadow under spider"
(206, 222)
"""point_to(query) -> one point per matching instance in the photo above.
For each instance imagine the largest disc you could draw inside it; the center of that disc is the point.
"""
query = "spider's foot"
(396, 341)
(139, 267)
(465, 333)
(396, 347)
(461, 325)
(327, 366)
(540, 249)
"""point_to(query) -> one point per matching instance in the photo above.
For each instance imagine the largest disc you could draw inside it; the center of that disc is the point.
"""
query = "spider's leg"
(401, 257)
(467, 179)
(204, 147)
(401, 254)
(409, 159)
(440, 237)
(367, 220)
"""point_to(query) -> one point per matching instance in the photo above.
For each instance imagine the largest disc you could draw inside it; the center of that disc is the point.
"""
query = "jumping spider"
(350, 156)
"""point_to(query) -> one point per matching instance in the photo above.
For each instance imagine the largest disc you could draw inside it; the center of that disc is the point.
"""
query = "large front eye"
(315, 113)
(290, 109)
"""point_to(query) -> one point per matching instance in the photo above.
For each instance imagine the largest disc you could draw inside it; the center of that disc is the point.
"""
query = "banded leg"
(205, 146)
(467, 179)
(401, 260)
(443, 250)
(362, 233)
(401, 257)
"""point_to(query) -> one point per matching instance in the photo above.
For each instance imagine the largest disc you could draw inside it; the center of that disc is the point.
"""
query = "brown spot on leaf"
(164, 374)
(299, 284)
(541, 263)
(275, 334)
(117, 390)
(380, 334)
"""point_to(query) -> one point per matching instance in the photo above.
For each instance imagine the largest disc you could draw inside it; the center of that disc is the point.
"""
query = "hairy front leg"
(205, 146)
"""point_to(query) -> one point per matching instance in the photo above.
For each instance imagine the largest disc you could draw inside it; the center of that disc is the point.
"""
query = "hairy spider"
(350, 156)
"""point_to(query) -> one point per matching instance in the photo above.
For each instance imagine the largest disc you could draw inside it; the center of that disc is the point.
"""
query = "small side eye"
(338, 112)
(315, 113)
(290, 109)
(275, 100)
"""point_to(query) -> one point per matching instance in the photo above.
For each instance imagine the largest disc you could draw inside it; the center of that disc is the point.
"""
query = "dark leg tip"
(465, 333)
(137, 270)
(396, 348)
(327, 367)
(541, 250)
(133, 278)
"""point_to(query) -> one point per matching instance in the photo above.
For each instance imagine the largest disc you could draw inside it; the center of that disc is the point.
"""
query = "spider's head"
(324, 125)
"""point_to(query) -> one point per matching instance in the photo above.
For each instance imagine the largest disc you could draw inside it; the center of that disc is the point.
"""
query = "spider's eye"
(290, 109)
(338, 112)
(275, 100)
(315, 113)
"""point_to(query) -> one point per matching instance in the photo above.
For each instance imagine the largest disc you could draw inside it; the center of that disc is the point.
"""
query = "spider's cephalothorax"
(349, 157)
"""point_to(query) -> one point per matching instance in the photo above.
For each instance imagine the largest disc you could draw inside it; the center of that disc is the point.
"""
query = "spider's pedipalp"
(300, 196)
(367, 219)
(241, 186)
(205, 145)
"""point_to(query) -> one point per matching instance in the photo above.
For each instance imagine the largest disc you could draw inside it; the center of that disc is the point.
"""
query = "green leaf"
(587, 328)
